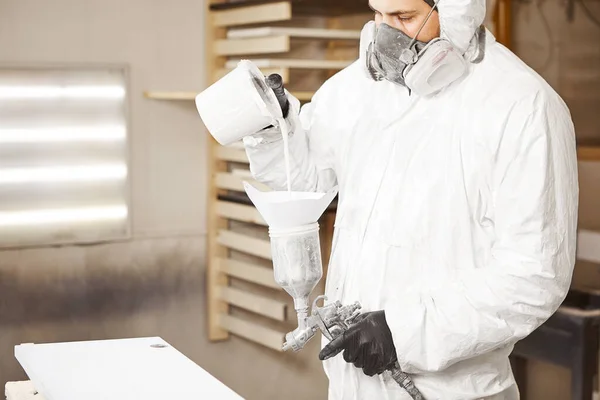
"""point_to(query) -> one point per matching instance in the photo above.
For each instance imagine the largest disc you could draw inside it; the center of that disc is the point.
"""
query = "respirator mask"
(424, 68)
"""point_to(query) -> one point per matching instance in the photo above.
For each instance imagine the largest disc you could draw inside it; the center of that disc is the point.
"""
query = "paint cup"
(239, 104)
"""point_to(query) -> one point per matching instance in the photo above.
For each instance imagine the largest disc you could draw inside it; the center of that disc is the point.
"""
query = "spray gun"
(333, 320)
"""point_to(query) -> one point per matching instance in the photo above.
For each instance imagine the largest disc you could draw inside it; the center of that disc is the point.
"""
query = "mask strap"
(480, 38)
(374, 70)
(408, 56)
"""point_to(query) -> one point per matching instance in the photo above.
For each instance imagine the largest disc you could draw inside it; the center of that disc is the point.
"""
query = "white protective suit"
(457, 212)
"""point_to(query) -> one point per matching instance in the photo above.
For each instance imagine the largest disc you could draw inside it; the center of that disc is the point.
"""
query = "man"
(457, 211)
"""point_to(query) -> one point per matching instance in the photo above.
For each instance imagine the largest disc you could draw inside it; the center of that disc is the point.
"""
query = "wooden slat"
(266, 45)
(284, 72)
(312, 33)
(253, 15)
(229, 181)
(214, 276)
(588, 153)
(240, 212)
(245, 174)
(304, 96)
(588, 246)
(256, 333)
(219, 74)
(245, 244)
(165, 95)
(257, 304)
(503, 22)
(294, 63)
(236, 145)
(231, 154)
(311, 8)
(248, 272)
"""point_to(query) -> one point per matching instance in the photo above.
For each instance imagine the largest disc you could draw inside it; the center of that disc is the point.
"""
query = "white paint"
(74, 173)
(286, 152)
(64, 134)
(57, 92)
(122, 369)
(62, 216)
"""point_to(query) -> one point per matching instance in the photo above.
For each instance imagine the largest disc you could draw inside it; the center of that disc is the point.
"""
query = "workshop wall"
(153, 284)
(567, 54)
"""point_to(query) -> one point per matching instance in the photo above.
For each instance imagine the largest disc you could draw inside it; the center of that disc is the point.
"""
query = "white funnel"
(283, 210)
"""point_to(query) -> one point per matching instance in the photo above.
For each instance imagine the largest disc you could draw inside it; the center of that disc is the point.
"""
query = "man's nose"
(387, 19)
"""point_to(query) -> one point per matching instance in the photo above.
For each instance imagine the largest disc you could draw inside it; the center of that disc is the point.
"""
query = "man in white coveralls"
(458, 196)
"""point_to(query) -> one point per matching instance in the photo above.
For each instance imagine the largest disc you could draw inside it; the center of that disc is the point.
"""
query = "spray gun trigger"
(321, 317)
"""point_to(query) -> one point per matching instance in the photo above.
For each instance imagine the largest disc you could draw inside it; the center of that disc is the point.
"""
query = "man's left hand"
(367, 344)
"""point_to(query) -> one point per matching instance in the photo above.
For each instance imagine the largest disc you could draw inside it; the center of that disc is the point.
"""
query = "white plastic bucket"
(238, 105)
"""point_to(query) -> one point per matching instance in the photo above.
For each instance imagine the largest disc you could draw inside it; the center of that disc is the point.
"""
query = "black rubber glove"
(367, 344)
(275, 82)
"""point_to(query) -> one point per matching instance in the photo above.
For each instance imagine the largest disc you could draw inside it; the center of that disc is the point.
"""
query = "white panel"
(63, 134)
(71, 173)
(125, 369)
(62, 216)
(16, 92)
(63, 155)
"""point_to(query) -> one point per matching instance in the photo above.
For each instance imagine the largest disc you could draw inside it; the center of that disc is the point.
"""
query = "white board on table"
(123, 369)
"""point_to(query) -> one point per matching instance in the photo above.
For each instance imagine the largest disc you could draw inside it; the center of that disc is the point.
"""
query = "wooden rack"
(588, 152)
(243, 298)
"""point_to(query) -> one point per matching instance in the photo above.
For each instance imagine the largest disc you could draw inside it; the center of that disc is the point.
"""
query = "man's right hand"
(275, 82)
(272, 133)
